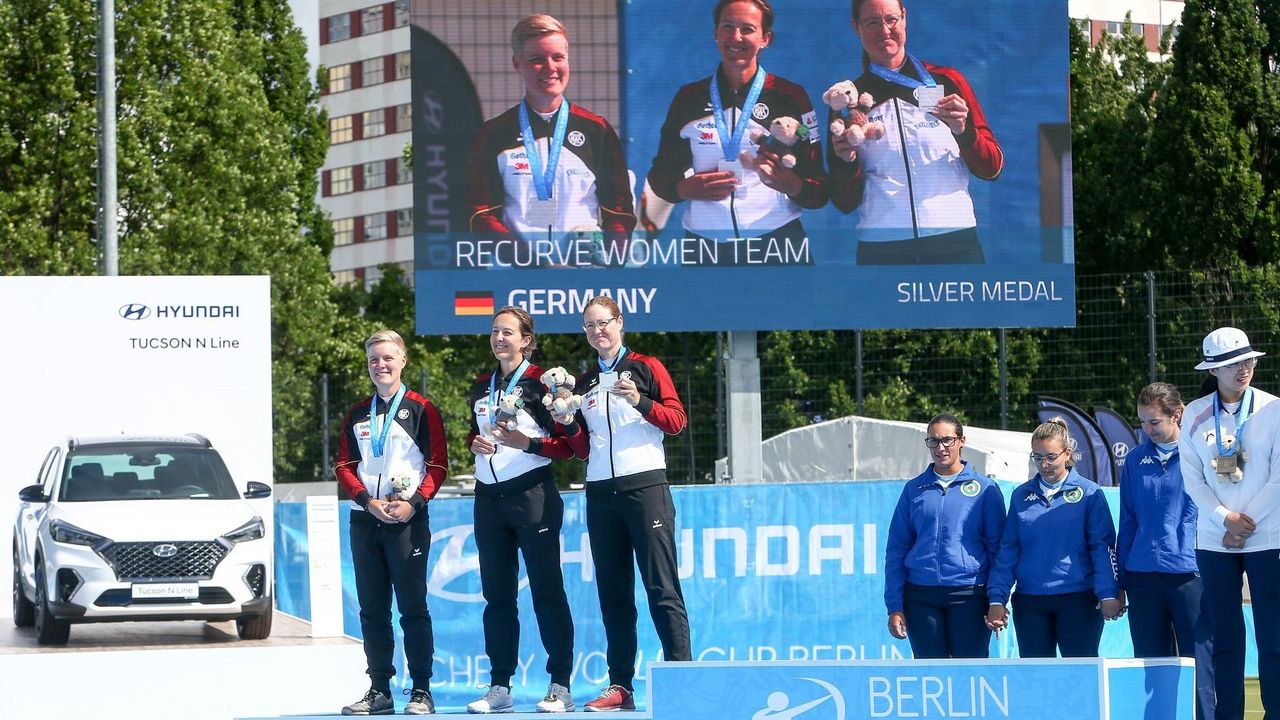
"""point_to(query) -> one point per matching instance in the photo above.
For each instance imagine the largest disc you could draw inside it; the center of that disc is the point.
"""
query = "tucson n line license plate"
(180, 591)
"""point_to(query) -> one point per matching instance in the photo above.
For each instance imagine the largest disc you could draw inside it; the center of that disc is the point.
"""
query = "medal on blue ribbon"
(493, 388)
(925, 90)
(730, 144)
(1230, 458)
(542, 208)
(378, 432)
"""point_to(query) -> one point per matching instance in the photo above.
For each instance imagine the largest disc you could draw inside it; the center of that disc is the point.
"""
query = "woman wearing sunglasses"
(1059, 550)
(1227, 443)
(943, 539)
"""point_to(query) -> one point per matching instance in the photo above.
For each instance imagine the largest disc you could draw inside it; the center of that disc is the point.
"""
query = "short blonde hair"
(1055, 428)
(535, 26)
(390, 336)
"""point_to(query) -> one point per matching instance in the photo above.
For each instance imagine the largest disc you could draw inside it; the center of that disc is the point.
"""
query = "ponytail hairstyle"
(947, 419)
(1162, 396)
(1055, 428)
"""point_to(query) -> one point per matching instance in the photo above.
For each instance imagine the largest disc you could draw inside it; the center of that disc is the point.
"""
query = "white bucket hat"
(1226, 346)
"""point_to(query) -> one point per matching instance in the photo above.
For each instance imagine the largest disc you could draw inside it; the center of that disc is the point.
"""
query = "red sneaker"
(612, 699)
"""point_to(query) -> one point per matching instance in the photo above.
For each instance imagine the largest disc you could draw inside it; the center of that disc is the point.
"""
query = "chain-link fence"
(1131, 329)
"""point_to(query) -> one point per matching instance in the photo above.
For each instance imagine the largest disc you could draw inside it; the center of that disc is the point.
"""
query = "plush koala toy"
(593, 235)
(784, 132)
(559, 397)
(1236, 474)
(510, 404)
(849, 109)
(402, 488)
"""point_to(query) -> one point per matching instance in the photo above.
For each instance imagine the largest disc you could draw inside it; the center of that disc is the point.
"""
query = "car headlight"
(252, 530)
(65, 532)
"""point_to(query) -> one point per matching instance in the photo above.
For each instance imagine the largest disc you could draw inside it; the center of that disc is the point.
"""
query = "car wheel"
(24, 611)
(49, 630)
(255, 627)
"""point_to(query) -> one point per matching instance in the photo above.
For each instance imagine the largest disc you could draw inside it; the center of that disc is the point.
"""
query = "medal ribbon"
(378, 434)
(729, 144)
(542, 181)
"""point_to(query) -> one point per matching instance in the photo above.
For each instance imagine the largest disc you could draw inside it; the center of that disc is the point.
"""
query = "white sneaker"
(557, 700)
(496, 700)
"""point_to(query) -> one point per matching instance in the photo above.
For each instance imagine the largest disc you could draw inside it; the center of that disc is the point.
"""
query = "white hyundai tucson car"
(139, 528)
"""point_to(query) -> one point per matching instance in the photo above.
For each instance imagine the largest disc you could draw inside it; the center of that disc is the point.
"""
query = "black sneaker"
(420, 702)
(374, 702)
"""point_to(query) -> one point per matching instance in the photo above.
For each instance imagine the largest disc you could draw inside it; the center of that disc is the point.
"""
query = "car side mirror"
(256, 490)
(32, 493)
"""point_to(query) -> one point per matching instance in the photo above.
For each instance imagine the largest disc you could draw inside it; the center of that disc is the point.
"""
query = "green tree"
(219, 141)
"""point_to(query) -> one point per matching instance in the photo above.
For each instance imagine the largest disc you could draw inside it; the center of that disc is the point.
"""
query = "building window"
(404, 173)
(375, 227)
(402, 13)
(372, 72)
(341, 181)
(404, 117)
(375, 174)
(344, 277)
(404, 222)
(339, 27)
(344, 231)
(341, 129)
(374, 123)
(371, 20)
(339, 78)
(402, 65)
(1117, 28)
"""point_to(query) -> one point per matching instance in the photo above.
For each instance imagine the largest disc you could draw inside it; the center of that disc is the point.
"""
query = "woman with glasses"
(1059, 550)
(943, 539)
(628, 404)
(518, 510)
(547, 167)
(1227, 442)
(709, 125)
(911, 186)
(1156, 548)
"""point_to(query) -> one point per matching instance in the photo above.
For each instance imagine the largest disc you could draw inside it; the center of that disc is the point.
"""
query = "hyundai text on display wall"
(932, 222)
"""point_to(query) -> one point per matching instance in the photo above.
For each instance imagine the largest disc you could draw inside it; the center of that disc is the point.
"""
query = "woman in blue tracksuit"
(942, 541)
(1058, 547)
(1156, 549)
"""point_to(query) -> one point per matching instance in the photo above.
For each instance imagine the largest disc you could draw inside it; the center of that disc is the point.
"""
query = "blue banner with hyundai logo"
(769, 573)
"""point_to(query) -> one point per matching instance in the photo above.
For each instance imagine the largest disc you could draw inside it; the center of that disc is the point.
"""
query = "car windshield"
(146, 472)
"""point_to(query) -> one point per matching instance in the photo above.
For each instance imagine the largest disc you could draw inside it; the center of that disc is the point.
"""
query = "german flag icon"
(473, 302)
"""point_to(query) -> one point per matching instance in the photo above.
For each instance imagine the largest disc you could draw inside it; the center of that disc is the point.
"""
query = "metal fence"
(1131, 329)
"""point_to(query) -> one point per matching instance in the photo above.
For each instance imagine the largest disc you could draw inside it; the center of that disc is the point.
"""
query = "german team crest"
(970, 489)
(1074, 495)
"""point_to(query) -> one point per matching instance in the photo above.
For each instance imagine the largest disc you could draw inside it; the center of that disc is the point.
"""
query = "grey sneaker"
(558, 700)
(374, 702)
(420, 703)
(496, 700)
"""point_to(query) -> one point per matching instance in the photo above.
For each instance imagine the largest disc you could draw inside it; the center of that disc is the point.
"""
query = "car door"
(31, 514)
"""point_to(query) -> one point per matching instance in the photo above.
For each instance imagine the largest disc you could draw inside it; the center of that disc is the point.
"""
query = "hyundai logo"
(165, 550)
(135, 311)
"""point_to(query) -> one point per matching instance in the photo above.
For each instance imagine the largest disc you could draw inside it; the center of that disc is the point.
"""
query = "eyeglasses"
(1236, 367)
(933, 442)
(600, 326)
(1039, 459)
(878, 24)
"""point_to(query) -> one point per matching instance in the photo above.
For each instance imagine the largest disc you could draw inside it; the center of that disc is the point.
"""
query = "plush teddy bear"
(510, 404)
(402, 488)
(784, 132)
(1236, 474)
(850, 108)
(559, 397)
(592, 236)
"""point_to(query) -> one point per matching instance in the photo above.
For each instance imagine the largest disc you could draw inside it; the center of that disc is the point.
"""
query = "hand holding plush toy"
(510, 404)
(850, 122)
(402, 488)
(784, 132)
(559, 397)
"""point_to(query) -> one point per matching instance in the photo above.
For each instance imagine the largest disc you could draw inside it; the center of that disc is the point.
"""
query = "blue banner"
(1023, 274)
(769, 573)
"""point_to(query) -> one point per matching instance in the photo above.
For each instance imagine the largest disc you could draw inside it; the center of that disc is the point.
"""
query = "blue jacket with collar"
(1157, 516)
(1062, 545)
(942, 536)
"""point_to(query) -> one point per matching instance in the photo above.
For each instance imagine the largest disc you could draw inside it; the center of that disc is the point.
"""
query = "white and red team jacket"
(914, 181)
(546, 439)
(690, 144)
(623, 444)
(591, 186)
(415, 448)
